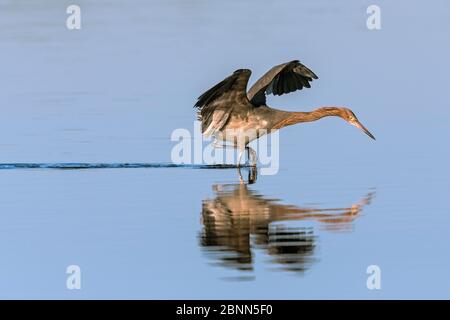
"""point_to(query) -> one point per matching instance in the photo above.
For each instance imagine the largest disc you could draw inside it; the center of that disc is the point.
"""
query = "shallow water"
(106, 98)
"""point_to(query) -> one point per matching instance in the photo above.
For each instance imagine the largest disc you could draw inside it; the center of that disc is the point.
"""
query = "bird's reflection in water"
(238, 221)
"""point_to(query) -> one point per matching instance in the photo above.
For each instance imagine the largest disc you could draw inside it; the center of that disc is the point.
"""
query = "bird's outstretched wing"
(216, 104)
(281, 79)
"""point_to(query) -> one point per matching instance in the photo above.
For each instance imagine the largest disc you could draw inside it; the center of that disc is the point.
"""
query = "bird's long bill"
(360, 126)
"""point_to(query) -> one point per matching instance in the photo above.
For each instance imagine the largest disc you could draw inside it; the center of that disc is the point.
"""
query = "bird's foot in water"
(249, 164)
(252, 175)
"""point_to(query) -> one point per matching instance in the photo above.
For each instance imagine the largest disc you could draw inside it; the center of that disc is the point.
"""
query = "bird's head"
(350, 117)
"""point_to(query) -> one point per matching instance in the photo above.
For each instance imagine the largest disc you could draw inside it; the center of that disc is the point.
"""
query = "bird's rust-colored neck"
(297, 117)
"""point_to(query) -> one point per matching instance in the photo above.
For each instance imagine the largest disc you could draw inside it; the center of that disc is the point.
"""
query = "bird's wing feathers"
(216, 104)
(284, 78)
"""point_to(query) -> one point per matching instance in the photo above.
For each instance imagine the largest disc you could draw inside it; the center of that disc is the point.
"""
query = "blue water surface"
(114, 91)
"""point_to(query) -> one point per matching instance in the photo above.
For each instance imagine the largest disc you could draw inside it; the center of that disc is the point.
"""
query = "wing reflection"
(238, 221)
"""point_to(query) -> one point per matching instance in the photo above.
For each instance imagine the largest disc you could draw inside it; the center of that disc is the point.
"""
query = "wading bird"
(232, 115)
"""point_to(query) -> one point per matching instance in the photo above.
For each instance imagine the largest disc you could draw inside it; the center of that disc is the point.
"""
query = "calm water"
(113, 92)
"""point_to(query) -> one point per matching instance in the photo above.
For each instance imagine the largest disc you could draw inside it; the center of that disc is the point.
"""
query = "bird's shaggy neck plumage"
(297, 117)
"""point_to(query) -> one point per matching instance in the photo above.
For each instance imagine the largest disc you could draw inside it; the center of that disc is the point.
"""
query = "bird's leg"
(247, 149)
(241, 153)
(252, 156)
(218, 144)
(241, 180)
(252, 175)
